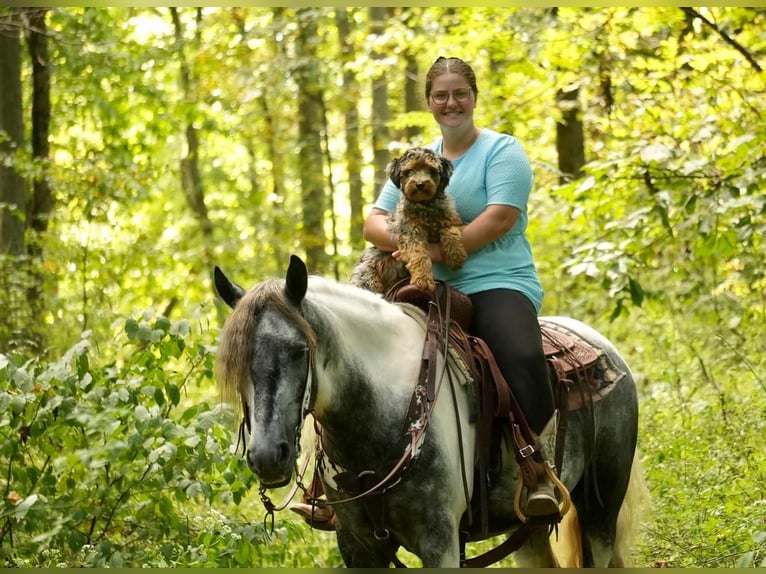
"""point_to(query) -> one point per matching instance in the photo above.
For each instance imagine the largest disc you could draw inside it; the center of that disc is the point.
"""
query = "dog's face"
(420, 173)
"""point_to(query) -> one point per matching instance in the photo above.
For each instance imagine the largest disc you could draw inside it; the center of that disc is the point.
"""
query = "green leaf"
(656, 153)
(745, 560)
(162, 323)
(181, 328)
(131, 329)
(20, 511)
(159, 396)
(190, 413)
(141, 413)
(636, 292)
(174, 394)
(83, 365)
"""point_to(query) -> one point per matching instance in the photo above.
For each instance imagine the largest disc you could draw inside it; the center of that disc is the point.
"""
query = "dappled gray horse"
(311, 345)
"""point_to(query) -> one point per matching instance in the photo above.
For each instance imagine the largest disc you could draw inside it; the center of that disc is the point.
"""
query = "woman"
(490, 184)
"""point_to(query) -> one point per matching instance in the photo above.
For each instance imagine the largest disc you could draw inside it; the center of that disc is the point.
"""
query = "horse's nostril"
(283, 452)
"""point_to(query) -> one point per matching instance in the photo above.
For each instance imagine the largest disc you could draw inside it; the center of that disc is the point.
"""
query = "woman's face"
(451, 113)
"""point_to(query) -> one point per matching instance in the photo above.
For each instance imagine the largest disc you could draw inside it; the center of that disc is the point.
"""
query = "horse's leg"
(598, 518)
(536, 551)
(359, 553)
(439, 546)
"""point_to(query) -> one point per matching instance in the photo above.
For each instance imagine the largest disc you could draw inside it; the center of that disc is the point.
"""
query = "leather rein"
(419, 412)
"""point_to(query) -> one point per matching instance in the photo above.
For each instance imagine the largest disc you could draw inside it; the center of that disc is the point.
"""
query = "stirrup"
(563, 508)
(318, 517)
(542, 501)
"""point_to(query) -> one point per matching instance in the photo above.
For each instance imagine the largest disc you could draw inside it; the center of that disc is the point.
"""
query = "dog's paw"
(424, 283)
(453, 254)
(454, 260)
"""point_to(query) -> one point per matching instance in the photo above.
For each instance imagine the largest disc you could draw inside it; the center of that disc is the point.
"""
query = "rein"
(418, 416)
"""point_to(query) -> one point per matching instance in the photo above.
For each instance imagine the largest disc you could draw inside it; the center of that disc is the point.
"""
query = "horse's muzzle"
(272, 465)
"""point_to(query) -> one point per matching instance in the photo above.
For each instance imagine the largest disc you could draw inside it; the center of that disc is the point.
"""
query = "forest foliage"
(179, 139)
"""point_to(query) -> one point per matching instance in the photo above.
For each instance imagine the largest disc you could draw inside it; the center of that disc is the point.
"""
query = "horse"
(307, 344)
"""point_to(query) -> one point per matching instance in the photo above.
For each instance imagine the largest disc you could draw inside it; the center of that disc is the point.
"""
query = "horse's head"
(264, 359)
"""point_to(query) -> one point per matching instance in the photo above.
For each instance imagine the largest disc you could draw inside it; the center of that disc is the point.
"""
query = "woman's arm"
(376, 230)
(493, 223)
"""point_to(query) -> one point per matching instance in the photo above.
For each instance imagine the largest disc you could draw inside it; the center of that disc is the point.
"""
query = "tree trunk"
(15, 315)
(40, 207)
(353, 154)
(380, 109)
(12, 192)
(191, 180)
(412, 94)
(310, 127)
(570, 141)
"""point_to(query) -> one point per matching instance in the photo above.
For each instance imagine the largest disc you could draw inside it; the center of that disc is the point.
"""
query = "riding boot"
(541, 499)
(317, 513)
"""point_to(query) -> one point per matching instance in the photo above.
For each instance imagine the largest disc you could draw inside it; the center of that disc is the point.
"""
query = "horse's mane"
(235, 347)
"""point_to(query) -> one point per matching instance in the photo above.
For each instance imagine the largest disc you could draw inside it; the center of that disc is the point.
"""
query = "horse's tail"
(567, 545)
(629, 519)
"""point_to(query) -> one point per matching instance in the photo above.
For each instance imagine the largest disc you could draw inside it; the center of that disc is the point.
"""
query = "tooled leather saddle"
(570, 361)
(568, 358)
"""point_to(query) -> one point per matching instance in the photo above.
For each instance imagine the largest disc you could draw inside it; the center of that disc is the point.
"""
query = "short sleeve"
(388, 198)
(509, 175)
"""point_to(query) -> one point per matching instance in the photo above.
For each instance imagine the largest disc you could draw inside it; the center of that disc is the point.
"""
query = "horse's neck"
(367, 362)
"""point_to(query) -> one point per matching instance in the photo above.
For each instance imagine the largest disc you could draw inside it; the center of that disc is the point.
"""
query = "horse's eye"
(298, 353)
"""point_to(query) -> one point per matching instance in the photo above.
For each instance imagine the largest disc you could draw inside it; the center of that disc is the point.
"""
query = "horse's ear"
(227, 290)
(297, 280)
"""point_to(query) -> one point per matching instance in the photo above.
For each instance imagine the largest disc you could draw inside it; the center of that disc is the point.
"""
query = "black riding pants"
(507, 321)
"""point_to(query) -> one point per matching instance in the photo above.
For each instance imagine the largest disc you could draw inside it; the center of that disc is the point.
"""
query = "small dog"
(425, 213)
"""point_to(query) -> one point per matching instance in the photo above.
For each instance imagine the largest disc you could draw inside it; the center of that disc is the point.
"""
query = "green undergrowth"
(131, 461)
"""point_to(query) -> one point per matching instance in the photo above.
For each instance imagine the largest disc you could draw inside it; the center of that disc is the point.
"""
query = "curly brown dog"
(425, 213)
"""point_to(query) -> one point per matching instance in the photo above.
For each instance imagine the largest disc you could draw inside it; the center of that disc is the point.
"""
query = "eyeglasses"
(460, 95)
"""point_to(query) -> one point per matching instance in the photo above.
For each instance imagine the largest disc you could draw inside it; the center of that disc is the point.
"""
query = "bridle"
(309, 396)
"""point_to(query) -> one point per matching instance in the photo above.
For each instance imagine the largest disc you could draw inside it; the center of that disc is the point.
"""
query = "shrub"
(117, 464)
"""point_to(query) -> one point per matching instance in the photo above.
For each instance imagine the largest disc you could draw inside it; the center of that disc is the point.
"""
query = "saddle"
(568, 358)
(497, 413)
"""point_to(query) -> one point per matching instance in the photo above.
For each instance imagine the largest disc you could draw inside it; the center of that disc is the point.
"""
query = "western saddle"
(498, 415)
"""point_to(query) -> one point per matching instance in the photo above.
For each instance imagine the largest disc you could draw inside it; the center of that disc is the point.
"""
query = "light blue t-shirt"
(494, 171)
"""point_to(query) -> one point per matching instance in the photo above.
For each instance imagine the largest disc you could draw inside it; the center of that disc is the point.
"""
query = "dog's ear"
(394, 171)
(446, 169)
